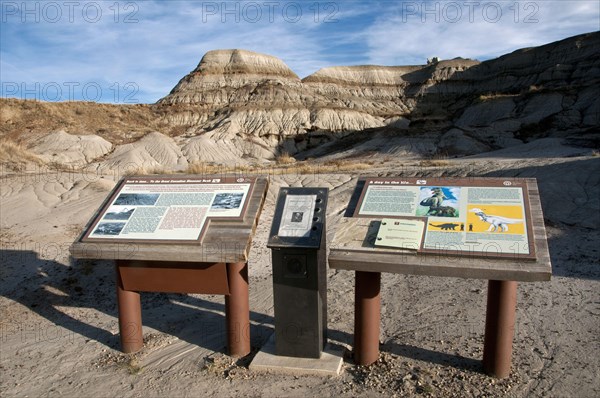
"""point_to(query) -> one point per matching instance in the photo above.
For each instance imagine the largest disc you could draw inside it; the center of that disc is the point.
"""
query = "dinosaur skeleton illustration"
(496, 221)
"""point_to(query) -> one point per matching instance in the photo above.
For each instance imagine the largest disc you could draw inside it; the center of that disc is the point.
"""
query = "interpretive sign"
(474, 228)
(488, 216)
(168, 209)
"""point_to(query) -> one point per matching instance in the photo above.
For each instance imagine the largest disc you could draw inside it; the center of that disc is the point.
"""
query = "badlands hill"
(244, 106)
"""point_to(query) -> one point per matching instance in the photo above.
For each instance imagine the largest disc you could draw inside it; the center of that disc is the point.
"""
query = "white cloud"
(453, 29)
(170, 38)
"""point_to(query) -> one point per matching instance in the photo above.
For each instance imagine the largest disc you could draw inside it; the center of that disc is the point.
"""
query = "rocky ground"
(59, 329)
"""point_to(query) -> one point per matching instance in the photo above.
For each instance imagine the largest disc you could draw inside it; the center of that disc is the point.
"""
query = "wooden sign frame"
(166, 181)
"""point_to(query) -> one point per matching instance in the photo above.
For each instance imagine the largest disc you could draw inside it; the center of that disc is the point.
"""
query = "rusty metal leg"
(237, 310)
(367, 314)
(499, 327)
(130, 317)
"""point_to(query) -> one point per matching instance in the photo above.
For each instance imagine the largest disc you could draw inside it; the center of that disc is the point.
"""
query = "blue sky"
(136, 51)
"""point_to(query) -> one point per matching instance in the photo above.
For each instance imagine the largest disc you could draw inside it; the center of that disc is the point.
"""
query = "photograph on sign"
(168, 209)
(226, 201)
(296, 219)
(137, 199)
(459, 217)
(119, 213)
(109, 228)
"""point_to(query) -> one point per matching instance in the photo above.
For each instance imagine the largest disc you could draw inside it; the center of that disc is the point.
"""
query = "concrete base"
(330, 363)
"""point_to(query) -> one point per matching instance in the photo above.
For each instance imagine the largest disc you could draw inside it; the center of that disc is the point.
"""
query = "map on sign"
(168, 208)
(461, 215)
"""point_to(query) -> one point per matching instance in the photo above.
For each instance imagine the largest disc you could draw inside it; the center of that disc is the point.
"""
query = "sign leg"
(237, 309)
(130, 317)
(499, 327)
(367, 317)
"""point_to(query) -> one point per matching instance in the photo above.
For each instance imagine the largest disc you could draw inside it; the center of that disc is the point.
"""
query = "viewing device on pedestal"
(297, 243)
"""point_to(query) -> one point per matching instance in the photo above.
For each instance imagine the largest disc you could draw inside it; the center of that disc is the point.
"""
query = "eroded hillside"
(243, 106)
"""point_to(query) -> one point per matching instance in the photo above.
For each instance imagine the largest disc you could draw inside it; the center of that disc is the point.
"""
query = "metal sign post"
(297, 241)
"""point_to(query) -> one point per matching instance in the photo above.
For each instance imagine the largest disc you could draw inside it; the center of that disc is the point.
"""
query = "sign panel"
(486, 216)
(168, 208)
(297, 217)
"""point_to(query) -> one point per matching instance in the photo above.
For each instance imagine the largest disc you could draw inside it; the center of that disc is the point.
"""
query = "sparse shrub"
(14, 155)
(439, 159)
(335, 163)
(346, 165)
(285, 158)
(493, 96)
(146, 170)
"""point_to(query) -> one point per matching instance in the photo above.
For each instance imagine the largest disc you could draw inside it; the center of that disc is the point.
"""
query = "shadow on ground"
(52, 289)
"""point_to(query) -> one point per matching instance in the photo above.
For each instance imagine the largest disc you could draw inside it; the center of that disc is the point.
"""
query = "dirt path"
(59, 331)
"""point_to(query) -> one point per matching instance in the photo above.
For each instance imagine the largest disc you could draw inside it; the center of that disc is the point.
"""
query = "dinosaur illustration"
(446, 227)
(435, 200)
(443, 211)
(496, 221)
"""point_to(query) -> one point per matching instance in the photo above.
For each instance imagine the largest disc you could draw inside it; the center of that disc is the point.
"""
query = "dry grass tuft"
(285, 158)
(146, 170)
(277, 168)
(347, 165)
(437, 160)
(434, 163)
(15, 156)
(212, 168)
(493, 96)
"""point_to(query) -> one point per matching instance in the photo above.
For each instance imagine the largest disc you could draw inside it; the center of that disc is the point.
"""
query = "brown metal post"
(499, 327)
(237, 310)
(130, 317)
(367, 317)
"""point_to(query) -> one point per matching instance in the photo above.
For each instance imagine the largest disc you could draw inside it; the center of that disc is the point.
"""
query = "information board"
(487, 216)
(168, 208)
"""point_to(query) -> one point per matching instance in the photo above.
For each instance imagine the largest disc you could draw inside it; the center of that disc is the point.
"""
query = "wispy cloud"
(138, 50)
(480, 30)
